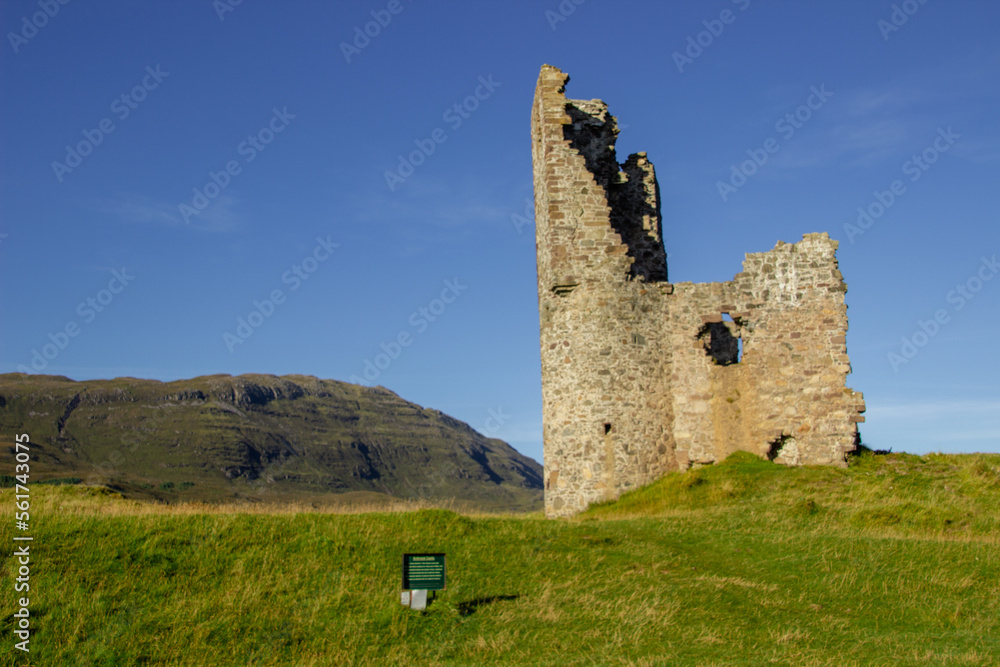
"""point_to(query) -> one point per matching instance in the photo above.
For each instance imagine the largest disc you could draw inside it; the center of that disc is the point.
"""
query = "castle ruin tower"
(641, 376)
(601, 267)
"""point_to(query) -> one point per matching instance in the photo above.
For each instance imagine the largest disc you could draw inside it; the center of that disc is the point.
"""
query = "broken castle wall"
(641, 376)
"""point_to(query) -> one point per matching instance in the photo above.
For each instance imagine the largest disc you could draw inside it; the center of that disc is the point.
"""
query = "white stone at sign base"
(418, 600)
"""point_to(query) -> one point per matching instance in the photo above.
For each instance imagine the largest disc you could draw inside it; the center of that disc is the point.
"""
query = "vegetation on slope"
(259, 437)
(951, 495)
(893, 561)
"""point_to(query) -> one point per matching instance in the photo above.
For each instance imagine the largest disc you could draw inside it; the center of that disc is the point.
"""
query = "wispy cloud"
(950, 425)
(936, 410)
(928, 425)
(980, 151)
(220, 216)
(434, 212)
(884, 100)
(868, 127)
(884, 124)
(437, 203)
(142, 210)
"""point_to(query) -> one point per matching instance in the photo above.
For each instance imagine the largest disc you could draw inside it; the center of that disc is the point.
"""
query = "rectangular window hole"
(720, 343)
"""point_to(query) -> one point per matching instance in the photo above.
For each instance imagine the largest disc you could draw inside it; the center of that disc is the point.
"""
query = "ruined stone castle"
(641, 376)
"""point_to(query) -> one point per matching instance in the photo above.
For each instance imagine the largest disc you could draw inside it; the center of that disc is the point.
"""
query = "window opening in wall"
(726, 317)
(720, 342)
(607, 428)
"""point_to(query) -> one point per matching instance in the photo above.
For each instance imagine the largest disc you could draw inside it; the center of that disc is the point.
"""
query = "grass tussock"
(891, 561)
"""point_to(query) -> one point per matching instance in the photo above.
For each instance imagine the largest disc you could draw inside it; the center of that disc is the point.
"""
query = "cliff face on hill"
(258, 437)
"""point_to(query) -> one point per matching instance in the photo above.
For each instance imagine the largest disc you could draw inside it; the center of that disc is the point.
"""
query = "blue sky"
(169, 167)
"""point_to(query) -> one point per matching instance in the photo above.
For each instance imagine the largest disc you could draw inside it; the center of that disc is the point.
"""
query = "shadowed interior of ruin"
(631, 189)
(776, 446)
(720, 343)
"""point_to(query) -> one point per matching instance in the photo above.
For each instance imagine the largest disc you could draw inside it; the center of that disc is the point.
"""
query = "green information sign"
(423, 572)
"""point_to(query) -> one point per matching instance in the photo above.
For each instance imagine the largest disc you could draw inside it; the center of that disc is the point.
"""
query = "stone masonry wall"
(607, 413)
(641, 376)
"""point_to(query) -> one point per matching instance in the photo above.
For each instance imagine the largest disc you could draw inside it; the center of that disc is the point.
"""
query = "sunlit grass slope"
(893, 561)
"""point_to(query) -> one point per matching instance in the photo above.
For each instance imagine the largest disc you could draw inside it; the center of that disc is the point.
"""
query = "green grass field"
(892, 561)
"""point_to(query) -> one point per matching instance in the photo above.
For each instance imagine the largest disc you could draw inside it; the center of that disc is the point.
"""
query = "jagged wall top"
(610, 221)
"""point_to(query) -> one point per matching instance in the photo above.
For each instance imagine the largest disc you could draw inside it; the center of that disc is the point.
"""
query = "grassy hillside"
(893, 561)
(259, 437)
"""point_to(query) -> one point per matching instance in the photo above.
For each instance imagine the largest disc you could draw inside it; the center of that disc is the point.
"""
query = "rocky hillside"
(258, 437)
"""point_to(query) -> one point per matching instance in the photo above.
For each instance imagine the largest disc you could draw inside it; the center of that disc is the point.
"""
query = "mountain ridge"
(258, 436)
